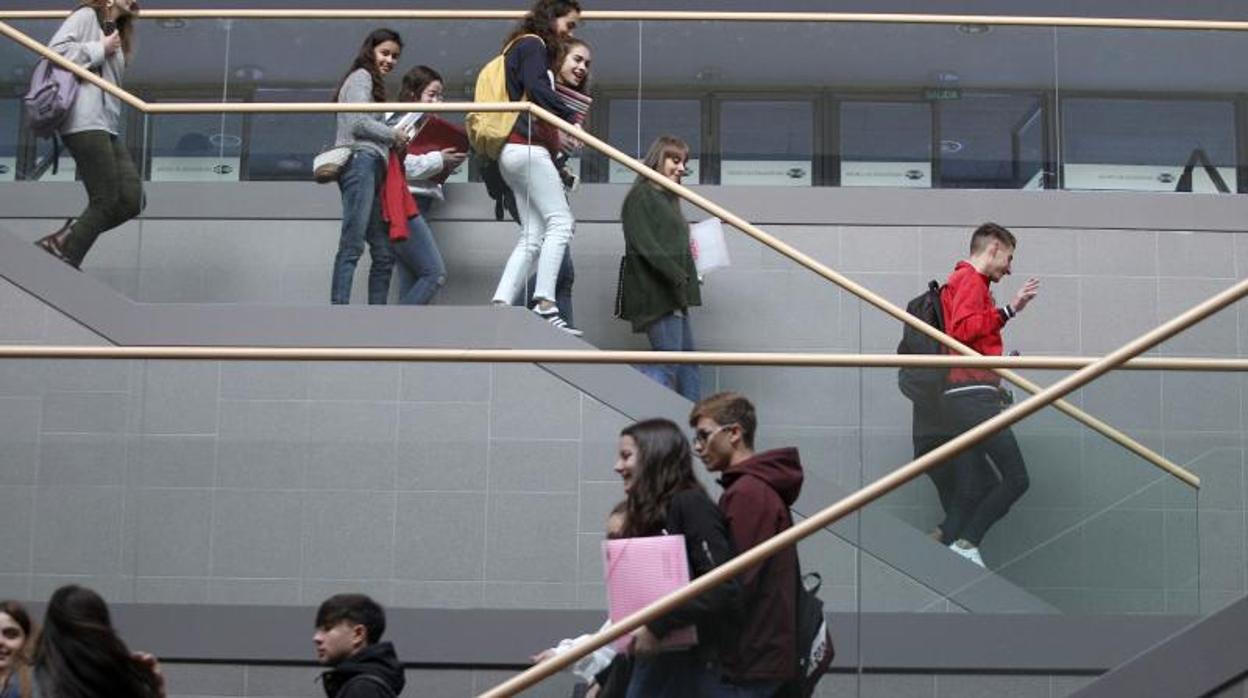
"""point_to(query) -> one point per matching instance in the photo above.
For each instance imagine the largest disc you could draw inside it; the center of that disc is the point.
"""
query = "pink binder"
(640, 571)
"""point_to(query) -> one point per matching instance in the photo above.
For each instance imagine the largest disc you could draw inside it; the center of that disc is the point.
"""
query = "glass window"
(1144, 144)
(10, 123)
(634, 125)
(282, 146)
(979, 137)
(195, 147)
(886, 144)
(766, 142)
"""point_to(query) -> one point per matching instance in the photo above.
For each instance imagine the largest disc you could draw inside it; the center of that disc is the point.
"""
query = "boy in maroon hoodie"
(759, 488)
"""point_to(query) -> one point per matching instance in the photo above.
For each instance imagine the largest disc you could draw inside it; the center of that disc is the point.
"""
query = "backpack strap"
(516, 40)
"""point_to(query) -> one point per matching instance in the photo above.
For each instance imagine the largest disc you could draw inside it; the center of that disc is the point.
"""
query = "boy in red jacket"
(973, 396)
(759, 488)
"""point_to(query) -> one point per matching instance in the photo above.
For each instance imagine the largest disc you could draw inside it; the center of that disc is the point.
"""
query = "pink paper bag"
(640, 571)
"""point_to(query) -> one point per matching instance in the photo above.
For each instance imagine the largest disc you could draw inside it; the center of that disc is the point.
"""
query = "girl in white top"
(421, 269)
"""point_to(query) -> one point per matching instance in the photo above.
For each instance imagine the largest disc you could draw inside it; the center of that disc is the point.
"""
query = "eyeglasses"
(703, 436)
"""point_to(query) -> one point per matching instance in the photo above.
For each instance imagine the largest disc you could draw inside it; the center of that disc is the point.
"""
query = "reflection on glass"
(886, 144)
(991, 141)
(763, 142)
(633, 125)
(195, 148)
(1145, 144)
(280, 147)
(10, 111)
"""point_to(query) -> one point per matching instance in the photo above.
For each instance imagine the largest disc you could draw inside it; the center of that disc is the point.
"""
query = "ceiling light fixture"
(950, 146)
(249, 73)
(974, 29)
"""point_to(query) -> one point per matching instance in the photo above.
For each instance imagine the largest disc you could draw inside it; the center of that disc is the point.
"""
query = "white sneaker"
(551, 315)
(967, 551)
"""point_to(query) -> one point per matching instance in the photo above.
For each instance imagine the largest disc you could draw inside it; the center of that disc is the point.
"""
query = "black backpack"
(504, 198)
(923, 385)
(815, 650)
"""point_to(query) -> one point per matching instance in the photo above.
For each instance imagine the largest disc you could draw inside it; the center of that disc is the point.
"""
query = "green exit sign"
(935, 94)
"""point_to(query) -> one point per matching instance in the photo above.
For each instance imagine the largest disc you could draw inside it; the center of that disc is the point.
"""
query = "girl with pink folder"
(665, 498)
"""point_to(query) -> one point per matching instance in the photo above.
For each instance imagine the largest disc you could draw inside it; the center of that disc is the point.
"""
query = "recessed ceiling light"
(225, 140)
(251, 73)
(171, 23)
(974, 29)
(707, 74)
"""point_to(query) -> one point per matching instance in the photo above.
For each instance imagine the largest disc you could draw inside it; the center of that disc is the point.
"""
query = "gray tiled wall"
(451, 426)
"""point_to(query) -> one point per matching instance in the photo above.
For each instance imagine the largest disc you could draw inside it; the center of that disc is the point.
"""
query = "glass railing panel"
(1132, 116)
(1096, 529)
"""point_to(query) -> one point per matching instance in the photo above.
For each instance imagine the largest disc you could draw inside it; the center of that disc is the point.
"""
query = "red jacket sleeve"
(754, 513)
(968, 308)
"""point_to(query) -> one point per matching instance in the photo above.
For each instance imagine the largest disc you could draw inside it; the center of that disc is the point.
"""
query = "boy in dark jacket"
(759, 488)
(348, 639)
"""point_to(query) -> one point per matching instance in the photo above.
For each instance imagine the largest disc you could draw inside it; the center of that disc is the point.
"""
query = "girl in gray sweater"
(98, 36)
(370, 140)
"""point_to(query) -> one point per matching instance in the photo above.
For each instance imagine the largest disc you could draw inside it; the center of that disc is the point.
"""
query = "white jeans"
(545, 219)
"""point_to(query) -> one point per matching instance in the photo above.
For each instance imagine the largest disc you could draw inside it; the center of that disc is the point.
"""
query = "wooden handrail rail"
(680, 190)
(818, 521)
(607, 357)
(679, 16)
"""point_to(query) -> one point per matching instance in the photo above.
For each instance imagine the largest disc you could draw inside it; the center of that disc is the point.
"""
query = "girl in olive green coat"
(658, 281)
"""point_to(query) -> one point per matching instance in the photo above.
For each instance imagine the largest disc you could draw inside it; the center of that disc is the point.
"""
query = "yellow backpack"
(488, 131)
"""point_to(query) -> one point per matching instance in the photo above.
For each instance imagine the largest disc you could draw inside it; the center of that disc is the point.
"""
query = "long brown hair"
(125, 23)
(540, 20)
(664, 467)
(20, 668)
(79, 655)
(368, 61)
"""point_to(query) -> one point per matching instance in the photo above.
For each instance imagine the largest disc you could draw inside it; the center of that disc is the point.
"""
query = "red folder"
(438, 134)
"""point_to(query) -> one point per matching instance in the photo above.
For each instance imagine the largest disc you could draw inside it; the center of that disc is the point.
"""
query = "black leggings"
(114, 192)
(979, 499)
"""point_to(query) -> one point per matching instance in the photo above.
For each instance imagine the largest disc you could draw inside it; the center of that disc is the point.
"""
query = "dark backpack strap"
(366, 678)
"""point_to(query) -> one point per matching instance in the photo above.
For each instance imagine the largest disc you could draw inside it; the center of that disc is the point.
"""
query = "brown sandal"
(54, 244)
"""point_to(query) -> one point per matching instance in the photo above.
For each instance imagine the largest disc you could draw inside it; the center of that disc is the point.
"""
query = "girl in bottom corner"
(664, 497)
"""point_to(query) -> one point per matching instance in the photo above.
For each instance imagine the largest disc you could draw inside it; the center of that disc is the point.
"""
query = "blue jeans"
(563, 288)
(672, 333)
(360, 185)
(744, 689)
(671, 675)
(421, 270)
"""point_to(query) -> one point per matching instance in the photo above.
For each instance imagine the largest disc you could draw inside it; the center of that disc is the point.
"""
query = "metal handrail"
(679, 16)
(680, 190)
(856, 501)
(608, 357)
